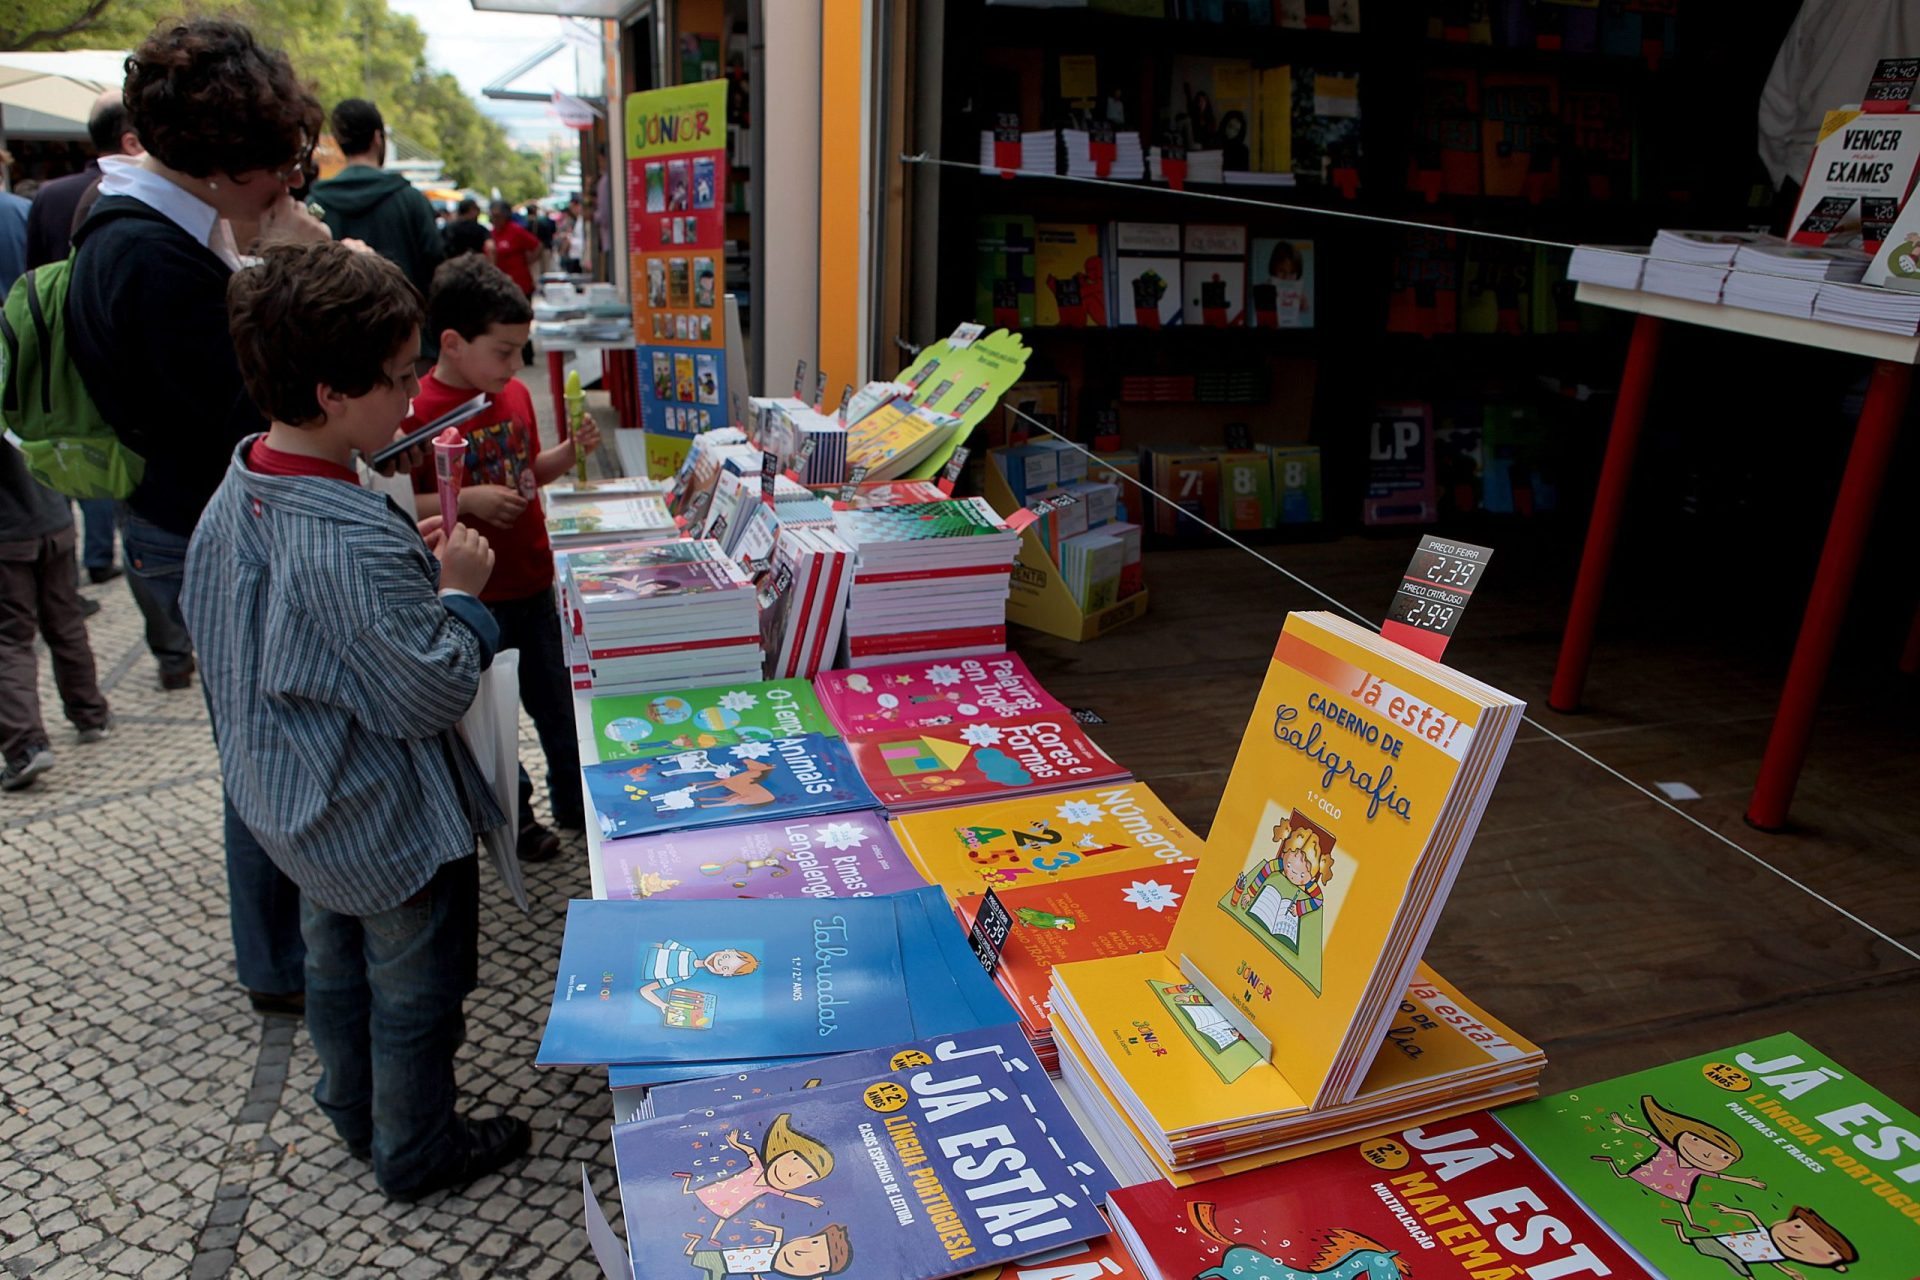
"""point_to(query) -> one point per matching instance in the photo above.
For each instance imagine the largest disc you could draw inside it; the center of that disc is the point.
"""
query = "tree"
(342, 49)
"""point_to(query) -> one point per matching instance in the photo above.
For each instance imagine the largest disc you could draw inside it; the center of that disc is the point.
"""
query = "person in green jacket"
(367, 202)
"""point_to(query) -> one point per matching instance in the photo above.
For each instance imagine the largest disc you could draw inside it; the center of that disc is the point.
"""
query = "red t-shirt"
(502, 444)
(511, 244)
(266, 460)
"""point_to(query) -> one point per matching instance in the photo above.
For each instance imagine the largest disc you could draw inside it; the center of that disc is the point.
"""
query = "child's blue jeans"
(384, 1009)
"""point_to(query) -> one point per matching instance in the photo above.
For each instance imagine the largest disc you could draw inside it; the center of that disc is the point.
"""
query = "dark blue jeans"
(156, 560)
(531, 624)
(384, 1008)
(96, 551)
(262, 904)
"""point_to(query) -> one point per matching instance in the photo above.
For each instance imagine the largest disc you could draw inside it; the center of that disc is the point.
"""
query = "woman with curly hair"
(227, 129)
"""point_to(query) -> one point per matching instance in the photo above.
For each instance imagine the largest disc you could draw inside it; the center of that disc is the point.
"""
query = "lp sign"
(1400, 482)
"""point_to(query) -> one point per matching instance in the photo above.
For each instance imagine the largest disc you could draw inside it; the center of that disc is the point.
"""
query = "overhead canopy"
(64, 84)
(558, 8)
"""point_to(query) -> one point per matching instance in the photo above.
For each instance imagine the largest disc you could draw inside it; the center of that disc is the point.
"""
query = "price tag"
(960, 410)
(1239, 435)
(1086, 715)
(769, 476)
(846, 398)
(739, 418)
(718, 532)
(955, 464)
(991, 925)
(965, 336)
(1433, 594)
(940, 389)
(1027, 515)
(819, 386)
(925, 372)
(799, 378)
(802, 458)
(852, 487)
(1892, 86)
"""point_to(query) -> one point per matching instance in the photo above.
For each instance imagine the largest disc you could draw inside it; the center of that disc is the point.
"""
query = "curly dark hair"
(470, 295)
(317, 314)
(206, 97)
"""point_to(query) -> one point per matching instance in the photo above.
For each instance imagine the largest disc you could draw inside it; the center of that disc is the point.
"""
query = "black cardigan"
(147, 329)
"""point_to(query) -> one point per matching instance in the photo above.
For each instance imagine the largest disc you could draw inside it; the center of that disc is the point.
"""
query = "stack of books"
(1128, 162)
(1359, 783)
(1694, 281)
(933, 734)
(1894, 311)
(895, 438)
(1785, 279)
(1612, 265)
(1694, 264)
(680, 990)
(934, 1157)
(567, 489)
(1202, 166)
(602, 520)
(836, 855)
(1037, 152)
(803, 600)
(656, 615)
(1092, 563)
(930, 580)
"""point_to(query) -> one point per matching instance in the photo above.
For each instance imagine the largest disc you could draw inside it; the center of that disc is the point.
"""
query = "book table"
(1873, 441)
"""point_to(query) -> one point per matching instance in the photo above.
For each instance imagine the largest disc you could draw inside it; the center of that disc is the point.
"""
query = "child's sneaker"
(21, 771)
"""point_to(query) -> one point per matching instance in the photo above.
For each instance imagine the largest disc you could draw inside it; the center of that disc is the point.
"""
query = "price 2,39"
(1450, 572)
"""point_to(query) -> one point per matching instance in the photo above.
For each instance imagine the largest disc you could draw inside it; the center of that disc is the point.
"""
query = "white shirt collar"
(126, 176)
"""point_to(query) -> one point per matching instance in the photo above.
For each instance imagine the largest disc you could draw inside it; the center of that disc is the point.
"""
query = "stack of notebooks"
(944, 1156)
(930, 580)
(1075, 875)
(895, 438)
(933, 734)
(1785, 279)
(1358, 785)
(1202, 166)
(567, 489)
(1694, 264)
(1127, 163)
(1615, 266)
(579, 523)
(680, 990)
(803, 600)
(1894, 311)
(1036, 152)
(656, 615)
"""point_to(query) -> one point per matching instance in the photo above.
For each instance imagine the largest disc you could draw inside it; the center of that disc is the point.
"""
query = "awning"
(60, 84)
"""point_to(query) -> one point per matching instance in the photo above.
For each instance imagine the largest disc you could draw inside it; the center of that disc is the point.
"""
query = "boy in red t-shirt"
(481, 320)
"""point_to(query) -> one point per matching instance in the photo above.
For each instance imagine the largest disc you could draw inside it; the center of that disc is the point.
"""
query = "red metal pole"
(557, 383)
(1873, 441)
(1609, 501)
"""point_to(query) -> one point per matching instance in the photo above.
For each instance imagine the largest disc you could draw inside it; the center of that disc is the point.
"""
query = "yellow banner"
(673, 122)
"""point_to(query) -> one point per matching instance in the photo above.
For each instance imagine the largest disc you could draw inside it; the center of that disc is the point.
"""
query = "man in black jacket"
(50, 224)
(373, 204)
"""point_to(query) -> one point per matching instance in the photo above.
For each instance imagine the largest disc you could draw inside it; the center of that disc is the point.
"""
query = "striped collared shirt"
(336, 676)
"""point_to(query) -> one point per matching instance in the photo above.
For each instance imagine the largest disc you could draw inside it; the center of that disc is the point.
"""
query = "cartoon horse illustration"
(1347, 1255)
(742, 788)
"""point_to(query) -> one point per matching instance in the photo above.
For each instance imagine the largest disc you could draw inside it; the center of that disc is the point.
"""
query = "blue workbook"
(707, 982)
(749, 781)
(929, 1171)
(1005, 1044)
(944, 991)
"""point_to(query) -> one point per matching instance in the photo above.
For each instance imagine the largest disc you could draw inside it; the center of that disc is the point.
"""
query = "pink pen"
(448, 448)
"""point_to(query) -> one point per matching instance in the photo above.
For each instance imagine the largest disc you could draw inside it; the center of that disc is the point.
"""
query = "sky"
(479, 47)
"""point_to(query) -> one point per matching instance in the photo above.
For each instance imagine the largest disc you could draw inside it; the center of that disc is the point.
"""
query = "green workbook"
(721, 715)
(1765, 1160)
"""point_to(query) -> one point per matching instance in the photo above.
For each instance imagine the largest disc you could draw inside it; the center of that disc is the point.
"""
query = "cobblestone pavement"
(151, 1124)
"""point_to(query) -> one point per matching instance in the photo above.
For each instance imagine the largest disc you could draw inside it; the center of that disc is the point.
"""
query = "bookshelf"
(1325, 381)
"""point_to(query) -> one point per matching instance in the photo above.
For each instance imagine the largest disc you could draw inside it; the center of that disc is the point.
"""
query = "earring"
(212, 185)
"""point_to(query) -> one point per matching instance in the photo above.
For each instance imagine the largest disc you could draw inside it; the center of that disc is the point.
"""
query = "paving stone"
(122, 1149)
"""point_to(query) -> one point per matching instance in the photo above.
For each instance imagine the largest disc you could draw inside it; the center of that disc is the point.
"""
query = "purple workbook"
(832, 855)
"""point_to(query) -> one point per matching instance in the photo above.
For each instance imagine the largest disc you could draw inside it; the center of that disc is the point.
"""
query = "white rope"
(1096, 461)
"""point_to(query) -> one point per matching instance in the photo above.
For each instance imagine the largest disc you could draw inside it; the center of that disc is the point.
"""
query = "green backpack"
(68, 446)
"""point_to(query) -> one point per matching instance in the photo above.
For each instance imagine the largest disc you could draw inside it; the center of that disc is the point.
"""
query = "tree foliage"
(342, 48)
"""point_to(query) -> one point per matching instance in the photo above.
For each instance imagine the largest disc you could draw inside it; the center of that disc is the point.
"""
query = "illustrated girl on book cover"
(786, 1161)
(1684, 1151)
(1280, 898)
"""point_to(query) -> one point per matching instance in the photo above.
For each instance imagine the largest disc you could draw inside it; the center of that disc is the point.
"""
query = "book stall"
(895, 970)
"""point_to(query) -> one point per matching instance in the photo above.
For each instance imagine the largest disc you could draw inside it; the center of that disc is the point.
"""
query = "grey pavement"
(151, 1124)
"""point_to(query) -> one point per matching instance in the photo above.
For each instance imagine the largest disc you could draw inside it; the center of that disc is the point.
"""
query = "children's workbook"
(1356, 789)
(953, 690)
(1768, 1160)
(707, 981)
(1005, 1043)
(926, 766)
(781, 779)
(1035, 839)
(716, 716)
(1452, 1200)
(835, 855)
(935, 1170)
